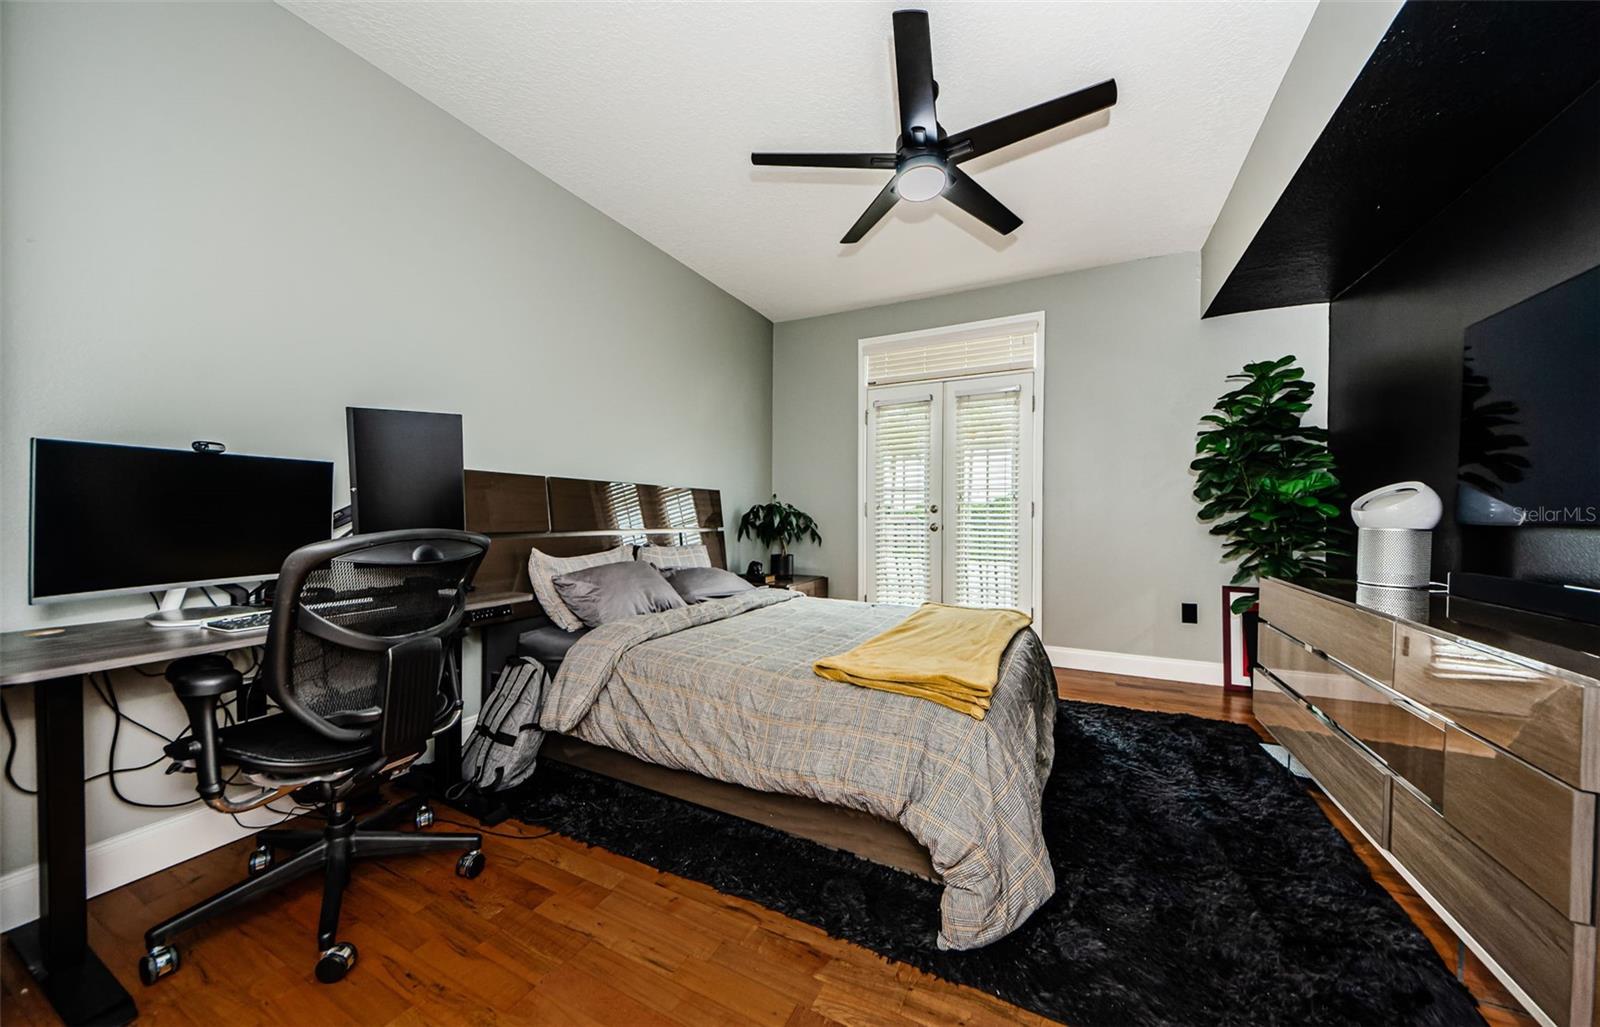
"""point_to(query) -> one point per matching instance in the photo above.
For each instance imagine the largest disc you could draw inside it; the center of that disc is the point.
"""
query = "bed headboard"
(573, 516)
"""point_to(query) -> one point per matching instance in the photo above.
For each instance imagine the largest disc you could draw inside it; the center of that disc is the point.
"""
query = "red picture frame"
(1237, 658)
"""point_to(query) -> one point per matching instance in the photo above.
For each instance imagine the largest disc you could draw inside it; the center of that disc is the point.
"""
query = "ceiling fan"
(925, 162)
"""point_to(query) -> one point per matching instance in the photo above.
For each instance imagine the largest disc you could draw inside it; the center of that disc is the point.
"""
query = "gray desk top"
(41, 654)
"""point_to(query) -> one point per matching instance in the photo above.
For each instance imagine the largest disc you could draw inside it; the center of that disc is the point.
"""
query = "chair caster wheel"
(424, 818)
(336, 962)
(471, 864)
(157, 963)
(260, 860)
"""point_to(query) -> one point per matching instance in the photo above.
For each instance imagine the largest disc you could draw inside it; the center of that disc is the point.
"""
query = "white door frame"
(1035, 321)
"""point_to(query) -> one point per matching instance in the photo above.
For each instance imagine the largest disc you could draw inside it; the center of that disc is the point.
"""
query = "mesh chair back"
(347, 609)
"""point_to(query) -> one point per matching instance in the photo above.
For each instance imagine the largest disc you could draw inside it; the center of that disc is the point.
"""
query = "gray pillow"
(612, 591)
(542, 571)
(697, 584)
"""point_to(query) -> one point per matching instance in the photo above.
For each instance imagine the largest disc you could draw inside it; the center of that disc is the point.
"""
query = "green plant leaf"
(779, 524)
(1264, 480)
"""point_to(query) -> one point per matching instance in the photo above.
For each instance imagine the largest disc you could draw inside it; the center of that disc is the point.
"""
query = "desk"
(53, 661)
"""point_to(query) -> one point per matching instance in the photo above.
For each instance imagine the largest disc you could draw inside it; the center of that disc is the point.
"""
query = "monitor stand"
(173, 614)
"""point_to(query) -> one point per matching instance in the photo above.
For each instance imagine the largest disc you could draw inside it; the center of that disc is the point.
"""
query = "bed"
(722, 692)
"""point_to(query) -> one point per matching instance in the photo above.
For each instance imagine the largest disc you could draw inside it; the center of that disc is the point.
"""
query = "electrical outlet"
(1191, 613)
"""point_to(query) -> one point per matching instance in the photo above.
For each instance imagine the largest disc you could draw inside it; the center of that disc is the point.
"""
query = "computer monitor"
(108, 519)
(405, 470)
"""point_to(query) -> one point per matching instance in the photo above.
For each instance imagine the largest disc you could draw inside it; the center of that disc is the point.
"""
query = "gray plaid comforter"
(725, 689)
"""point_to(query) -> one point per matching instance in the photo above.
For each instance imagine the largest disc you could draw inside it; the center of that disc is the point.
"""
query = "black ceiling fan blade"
(980, 203)
(873, 214)
(913, 69)
(1013, 128)
(823, 160)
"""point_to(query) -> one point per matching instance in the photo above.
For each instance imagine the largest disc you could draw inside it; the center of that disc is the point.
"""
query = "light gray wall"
(220, 224)
(1129, 370)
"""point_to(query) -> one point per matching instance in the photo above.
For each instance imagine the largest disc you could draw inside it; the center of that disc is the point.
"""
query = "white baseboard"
(124, 858)
(1199, 672)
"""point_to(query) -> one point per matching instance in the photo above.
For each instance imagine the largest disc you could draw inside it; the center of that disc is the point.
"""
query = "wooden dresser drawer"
(1306, 672)
(1346, 773)
(1360, 640)
(1535, 715)
(1536, 826)
(1533, 825)
(1408, 741)
(1552, 958)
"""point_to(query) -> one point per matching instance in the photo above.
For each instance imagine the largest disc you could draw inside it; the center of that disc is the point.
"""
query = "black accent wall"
(1395, 336)
(1451, 89)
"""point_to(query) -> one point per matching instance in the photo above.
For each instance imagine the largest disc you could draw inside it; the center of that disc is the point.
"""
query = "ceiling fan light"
(921, 181)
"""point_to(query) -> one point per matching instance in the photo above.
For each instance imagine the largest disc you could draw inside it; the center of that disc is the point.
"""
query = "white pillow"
(675, 556)
(543, 569)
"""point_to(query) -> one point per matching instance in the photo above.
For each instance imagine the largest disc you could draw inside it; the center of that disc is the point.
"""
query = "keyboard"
(241, 623)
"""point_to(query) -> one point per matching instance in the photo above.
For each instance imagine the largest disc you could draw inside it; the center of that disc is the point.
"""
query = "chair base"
(332, 850)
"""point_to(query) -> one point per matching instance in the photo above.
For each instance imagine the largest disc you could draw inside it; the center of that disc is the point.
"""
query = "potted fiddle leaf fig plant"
(779, 524)
(1267, 481)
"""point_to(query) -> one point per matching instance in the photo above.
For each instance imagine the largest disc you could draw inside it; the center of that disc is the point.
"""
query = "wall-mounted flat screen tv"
(1530, 412)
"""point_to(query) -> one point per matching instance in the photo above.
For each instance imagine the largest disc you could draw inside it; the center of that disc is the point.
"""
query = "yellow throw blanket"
(945, 654)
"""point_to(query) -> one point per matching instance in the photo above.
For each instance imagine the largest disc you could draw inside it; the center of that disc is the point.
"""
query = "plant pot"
(782, 565)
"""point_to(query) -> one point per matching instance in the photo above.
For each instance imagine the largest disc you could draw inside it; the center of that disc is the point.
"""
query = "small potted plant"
(782, 525)
(1267, 480)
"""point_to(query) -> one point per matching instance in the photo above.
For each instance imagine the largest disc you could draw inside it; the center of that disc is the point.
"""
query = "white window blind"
(679, 504)
(987, 473)
(626, 512)
(903, 490)
(937, 359)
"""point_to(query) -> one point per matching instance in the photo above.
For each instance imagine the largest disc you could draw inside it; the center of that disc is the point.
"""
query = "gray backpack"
(505, 741)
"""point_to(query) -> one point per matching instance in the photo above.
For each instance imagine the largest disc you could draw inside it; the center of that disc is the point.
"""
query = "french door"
(949, 492)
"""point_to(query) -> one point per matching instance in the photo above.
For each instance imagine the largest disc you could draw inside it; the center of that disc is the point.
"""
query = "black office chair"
(357, 663)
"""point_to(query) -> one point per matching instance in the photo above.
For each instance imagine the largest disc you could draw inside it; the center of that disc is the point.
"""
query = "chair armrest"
(200, 681)
(195, 677)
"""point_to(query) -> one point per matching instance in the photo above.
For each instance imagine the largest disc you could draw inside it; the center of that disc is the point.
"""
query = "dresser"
(1464, 740)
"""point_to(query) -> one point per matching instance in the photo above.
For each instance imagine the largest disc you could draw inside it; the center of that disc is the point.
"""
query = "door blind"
(939, 359)
(988, 498)
(902, 493)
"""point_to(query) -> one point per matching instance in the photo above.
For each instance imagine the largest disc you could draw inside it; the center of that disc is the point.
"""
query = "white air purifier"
(1394, 540)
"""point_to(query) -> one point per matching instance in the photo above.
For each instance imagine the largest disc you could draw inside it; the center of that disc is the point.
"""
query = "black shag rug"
(1196, 883)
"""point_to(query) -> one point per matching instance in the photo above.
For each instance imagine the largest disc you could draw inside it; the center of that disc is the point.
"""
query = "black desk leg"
(447, 744)
(55, 947)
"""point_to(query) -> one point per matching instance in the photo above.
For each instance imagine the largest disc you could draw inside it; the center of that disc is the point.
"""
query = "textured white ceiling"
(649, 111)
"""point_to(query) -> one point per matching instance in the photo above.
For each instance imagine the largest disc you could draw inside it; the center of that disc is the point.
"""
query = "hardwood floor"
(557, 933)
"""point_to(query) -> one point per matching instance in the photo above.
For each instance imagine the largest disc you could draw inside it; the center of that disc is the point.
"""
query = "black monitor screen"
(1530, 422)
(111, 518)
(405, 469)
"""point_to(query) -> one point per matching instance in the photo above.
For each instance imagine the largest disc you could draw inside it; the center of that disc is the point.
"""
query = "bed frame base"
(862, 834)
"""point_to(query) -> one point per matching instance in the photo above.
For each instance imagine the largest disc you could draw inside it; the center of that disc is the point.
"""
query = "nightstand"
(813, 585)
